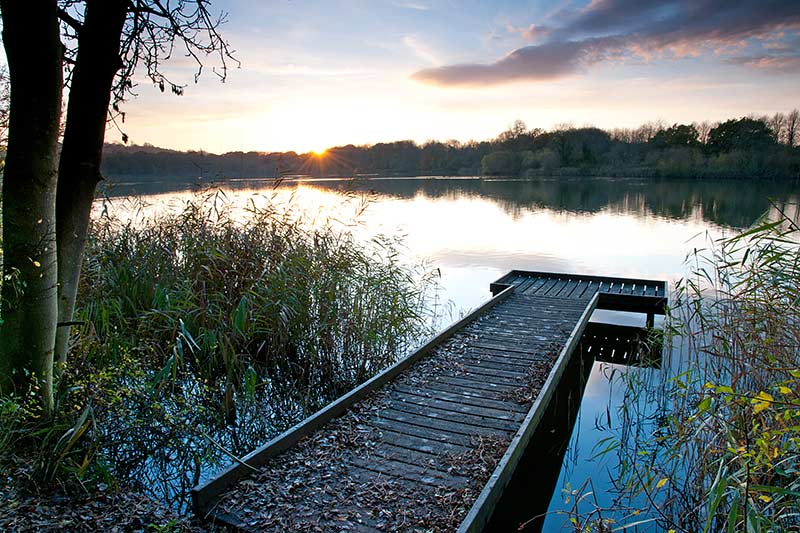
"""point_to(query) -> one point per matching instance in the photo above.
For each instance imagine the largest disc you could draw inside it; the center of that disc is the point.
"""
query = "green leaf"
(704, 404)
(250, 380)
(733, 516)
(240, 317)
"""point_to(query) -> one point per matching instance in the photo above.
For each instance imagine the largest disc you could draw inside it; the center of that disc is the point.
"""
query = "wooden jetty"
(431, 442)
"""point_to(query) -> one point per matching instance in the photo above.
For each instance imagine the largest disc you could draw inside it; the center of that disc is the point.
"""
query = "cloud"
(783, 64)
(531, 32)
(420, 50)
(542, 62)
(643, 29)
(608, 15)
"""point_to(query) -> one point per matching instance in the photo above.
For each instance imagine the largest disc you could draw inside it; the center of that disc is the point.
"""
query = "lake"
(475, 230)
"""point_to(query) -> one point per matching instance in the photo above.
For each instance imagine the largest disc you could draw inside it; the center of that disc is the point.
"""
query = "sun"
(319, 153)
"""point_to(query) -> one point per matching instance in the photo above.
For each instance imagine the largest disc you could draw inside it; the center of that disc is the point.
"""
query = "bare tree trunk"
(79, 171)
(29, 304)
(776, 124)
(792, 122)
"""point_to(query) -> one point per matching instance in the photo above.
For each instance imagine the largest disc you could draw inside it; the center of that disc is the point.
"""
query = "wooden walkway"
(615, 294)
(430, 443)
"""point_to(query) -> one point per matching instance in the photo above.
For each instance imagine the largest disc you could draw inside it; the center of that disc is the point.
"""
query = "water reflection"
(719, 202)
(534, 497)
(723, 203)
(476, 230)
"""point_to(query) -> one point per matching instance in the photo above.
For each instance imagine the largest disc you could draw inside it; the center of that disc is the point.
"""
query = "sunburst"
(325, 162)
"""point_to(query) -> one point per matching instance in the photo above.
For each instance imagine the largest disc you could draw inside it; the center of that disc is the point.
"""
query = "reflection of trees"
(717, 201)
(725, 203)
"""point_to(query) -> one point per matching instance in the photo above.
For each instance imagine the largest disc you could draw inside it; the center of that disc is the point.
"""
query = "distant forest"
(748, 147)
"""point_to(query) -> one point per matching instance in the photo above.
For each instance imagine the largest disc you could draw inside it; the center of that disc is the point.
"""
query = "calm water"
(475, 230)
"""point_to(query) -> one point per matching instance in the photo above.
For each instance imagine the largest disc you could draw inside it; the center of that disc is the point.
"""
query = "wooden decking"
(430, 443)
(616, 294)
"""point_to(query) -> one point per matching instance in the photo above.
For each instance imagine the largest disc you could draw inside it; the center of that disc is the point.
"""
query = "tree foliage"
(740, 148)
(501, 163)
(679, 135)
(742, 134)
(154, 32)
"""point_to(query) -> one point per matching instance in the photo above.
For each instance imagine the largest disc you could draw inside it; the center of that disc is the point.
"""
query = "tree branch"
(69, 20)
(138, 8)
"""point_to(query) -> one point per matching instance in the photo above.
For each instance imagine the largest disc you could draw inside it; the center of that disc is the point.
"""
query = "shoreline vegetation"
(201, 335)
(743, 148)
(714, 444)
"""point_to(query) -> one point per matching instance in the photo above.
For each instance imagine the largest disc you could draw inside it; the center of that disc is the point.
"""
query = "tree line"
(747, 147)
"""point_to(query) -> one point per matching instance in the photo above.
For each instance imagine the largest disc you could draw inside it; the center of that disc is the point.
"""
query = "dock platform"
(431, 442)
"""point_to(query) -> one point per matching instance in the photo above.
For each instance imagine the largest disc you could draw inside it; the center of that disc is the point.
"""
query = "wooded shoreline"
(738, 148)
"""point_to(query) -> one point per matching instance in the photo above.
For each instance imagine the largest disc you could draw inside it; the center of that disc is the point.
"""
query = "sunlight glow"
(475, 240)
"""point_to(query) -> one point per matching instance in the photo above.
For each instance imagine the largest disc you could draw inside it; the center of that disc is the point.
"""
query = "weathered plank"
(415, 457)
(468, 390)
(620, 294)
(455, 407)
(473, 383)
(424, 427)
(429, 418)
(482, 508)
(440, 429)
(501, 363)
(422, 444)
(416, 474)
(454, 416)
(511, 356)
(460, 397)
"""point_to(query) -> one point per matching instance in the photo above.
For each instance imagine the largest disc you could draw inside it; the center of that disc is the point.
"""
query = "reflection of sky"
(473, 240)
(583, 460)
(599, 418)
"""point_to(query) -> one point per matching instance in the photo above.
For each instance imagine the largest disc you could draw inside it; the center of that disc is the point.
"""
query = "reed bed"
(714, 443)
(207, 331)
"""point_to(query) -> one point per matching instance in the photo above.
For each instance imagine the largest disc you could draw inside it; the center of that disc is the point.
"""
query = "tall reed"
(207, 331)
(715, 445)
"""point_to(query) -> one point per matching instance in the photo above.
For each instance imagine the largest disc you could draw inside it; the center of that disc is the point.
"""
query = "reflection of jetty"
(432, 441)
(623, 345)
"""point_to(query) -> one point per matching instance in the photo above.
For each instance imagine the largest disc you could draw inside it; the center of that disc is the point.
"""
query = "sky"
(321, 73)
